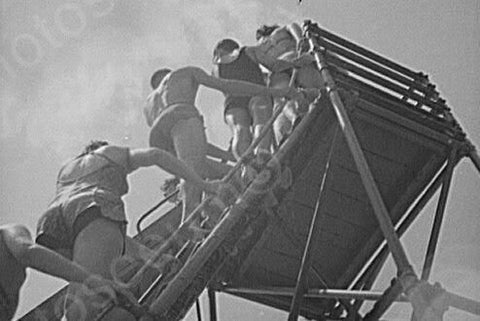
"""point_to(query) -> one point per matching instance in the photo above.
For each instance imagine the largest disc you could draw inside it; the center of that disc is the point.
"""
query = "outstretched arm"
(19, 243)
(219, 153)
(146, 157)
(274, 64)
(236, 87)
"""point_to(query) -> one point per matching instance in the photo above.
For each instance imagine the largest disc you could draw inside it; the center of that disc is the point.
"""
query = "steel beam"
(437, 223)
(415, 188)
(313, 293)
(385, 83)
(419, 77)
(373, 193)
(475, 158)
(374, 266)
(428, 90)
(212, 303)
(382, 305)
(454, 300)
(463, 303)
(405, 224)
(313, 236)
(199, 310)
(369, 278)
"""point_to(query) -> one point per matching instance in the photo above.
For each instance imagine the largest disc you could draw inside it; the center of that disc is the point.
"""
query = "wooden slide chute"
(363, 163)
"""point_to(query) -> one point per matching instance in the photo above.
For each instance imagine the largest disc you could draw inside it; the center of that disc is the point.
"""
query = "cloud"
(75, 88)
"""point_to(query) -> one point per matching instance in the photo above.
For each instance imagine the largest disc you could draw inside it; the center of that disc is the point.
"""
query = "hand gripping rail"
(179, 234)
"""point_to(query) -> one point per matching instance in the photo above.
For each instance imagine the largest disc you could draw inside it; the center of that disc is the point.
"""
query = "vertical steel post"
(199, 310)
(437, 223)
(405, 224)
(371, 271)
(212, 302)
(475, 158)
(366, 283)
(371, 188)
(387, 299)
(313, 236)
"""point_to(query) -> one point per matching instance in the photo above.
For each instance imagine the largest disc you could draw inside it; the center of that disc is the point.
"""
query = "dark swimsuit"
(161, 137)
(82, 199)
(242, 68)
(8, 305)
(8, 302)
(165, 116)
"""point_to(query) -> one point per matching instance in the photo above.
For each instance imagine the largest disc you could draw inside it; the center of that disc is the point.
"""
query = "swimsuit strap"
(110, 163)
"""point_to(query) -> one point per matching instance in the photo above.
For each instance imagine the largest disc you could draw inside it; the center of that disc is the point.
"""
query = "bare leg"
(261, 111)
(190, 144)
(216, 170)
(283, 124)
(309, 77)
(239, 121)
(96, 247)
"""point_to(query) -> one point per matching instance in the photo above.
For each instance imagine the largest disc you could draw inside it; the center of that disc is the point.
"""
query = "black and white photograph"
(251, 160)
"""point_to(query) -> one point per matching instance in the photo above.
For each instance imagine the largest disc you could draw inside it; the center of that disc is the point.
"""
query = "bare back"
(180, 86)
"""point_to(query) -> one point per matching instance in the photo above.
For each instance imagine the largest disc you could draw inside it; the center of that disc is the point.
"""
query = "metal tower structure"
(311, 233)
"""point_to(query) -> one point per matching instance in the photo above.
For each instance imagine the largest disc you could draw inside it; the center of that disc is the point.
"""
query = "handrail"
(428, 90)
(170, 296)
(177, 235)
(393, 79)
(154, 208)
(417, 76)
(174, 238)
(383, 82)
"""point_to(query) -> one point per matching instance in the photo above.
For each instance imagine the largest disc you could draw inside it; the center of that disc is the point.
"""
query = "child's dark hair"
(228, 45)
(265, 31)
(92, 146)
(158, 76)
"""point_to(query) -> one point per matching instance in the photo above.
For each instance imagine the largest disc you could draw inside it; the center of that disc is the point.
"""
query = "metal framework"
(317, 221)
(328, 51)
(407, 281)
(341, 64)
(407, 287)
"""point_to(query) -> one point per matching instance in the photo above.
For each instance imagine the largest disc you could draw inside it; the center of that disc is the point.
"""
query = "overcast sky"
(79, 70)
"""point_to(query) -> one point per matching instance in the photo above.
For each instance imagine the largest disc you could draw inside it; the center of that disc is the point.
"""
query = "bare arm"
(19, 242)
(295, 30)
(277, 65)
(152, 105)
(236, 87)
(146, 157)
(219, 153)
(273, 64)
